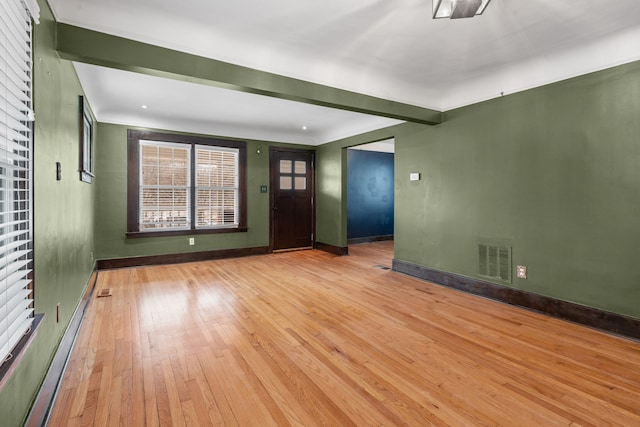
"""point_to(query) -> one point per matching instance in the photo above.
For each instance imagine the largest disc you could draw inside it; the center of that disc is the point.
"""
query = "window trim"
(133, 181)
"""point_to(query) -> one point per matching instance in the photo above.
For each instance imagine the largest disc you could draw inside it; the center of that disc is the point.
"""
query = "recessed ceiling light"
(145, 107)
(304, 128)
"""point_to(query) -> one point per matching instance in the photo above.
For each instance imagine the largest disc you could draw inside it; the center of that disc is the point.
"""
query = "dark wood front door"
(292, 199)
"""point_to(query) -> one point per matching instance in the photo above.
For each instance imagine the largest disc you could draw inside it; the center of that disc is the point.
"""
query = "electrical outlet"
(192, 241)
(521, 272)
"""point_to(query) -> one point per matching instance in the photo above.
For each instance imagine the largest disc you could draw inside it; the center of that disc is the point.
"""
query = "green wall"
(554, 170)
(63, 218)
(111, 204)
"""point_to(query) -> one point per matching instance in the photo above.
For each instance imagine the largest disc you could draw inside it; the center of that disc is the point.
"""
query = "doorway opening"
(370, 192)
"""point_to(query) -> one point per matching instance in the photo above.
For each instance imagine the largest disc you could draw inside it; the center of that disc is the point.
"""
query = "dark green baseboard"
(48, 391)
(370, 239)
(589, 316)
(336, 250)
(108, 264)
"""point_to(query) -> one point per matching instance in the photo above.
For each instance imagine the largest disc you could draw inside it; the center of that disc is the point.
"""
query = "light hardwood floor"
(307, 338)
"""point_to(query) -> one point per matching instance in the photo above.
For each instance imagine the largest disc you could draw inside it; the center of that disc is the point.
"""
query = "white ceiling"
(386, 48)
(118, 96)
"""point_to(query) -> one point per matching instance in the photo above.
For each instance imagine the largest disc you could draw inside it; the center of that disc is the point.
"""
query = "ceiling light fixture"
(456, 9)
(144, 106)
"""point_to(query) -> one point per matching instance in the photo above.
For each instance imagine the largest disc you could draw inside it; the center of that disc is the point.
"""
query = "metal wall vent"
(494, 261)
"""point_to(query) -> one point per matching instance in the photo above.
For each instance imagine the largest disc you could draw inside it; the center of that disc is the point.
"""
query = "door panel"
(292, 193)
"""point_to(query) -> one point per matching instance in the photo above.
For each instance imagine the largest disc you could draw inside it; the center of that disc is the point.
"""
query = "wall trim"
(370, 239)
(336, 250)
(39, 414)
(589, 316)
(113, 263)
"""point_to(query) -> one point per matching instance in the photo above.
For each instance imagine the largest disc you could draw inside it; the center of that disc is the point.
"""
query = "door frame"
(345, 187)
(272, 151)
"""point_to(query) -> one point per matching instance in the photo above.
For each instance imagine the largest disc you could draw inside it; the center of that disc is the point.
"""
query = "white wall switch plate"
(415, 176)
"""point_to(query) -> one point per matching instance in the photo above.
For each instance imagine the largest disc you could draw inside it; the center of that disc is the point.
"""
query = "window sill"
(142, 234)
(7, 368)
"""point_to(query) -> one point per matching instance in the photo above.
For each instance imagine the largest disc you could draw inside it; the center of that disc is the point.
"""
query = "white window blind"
(217, 187)
(184, 186)
(16, 303)
(164, 186)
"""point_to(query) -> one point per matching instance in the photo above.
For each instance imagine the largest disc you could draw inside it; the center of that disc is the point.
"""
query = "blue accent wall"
(369, 194)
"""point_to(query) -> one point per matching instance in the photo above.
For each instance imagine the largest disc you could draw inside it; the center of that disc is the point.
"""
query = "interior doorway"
(370, 192)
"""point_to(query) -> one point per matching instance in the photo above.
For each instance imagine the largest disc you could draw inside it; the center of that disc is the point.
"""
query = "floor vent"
(494, 261)
(106, 292)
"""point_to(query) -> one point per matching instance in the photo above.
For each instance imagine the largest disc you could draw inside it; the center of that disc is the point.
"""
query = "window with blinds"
(217, 187)
(185, 184)
(16, 115)
(164, 186)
